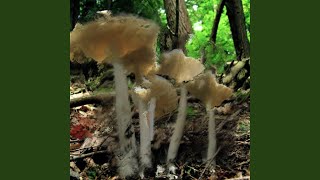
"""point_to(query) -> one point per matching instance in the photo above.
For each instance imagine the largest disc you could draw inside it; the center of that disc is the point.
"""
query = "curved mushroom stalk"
(181, 68)
(127, 160)
(212, 140)
(179, 126)
(211, 94)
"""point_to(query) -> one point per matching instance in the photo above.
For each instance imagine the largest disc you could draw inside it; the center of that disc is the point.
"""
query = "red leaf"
(79, 132)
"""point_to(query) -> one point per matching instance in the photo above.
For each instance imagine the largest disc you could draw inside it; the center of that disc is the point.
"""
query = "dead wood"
(72, 158)
(100, 99)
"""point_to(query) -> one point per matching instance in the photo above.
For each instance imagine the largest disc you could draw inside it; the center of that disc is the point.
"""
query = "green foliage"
(246, 9)
(243, 127)
(202, 15)
(190, 112)
(91, 173)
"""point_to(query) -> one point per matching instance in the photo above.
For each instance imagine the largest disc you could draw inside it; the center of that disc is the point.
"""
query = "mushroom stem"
(127, 160)
(151, 110)
(179, 126)
(212, 144)
(145, 143)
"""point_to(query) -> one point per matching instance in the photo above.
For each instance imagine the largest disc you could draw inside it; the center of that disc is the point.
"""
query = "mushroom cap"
(205, 88)
(112, 37)
(161, 89)
(76, 54)
(179, 67)
(140, 61)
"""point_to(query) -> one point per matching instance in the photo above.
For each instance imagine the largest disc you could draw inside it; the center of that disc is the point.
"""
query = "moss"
(190, 112)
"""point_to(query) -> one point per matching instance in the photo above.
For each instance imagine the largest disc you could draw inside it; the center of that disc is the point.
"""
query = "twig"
(76, 140)
(87, 155)
(85, 148)
(229, 118)
(243, 142)
(240, 178)
(209, 162)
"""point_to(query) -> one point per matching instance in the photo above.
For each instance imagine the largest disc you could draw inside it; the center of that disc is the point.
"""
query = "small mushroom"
(115, 40)
(211, 94)
(181, 68)
(163, 99)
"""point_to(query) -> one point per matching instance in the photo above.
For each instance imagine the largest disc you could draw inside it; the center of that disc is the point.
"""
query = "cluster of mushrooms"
(128, 43)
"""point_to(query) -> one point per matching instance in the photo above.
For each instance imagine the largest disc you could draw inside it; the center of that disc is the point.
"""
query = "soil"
(93, 142)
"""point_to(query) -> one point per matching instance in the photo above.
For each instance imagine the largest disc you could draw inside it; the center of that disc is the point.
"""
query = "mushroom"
(211, 94)
(175, 65)
(76, 54)
(114, 39)
(163, 99)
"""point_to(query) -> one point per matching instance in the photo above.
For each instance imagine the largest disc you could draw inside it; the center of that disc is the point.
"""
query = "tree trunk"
(179, 25)
(238, 28)
(216, 22)
(237, 74)
(74, 12)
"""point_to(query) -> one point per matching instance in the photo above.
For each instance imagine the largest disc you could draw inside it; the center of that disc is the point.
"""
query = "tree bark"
(238, 28)
(216, 22)
(74, 12)
(179, 25)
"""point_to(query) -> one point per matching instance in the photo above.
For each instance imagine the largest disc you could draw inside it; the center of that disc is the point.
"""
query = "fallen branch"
(209, 162)
(234, 70)
(101, 99)
(87, 155)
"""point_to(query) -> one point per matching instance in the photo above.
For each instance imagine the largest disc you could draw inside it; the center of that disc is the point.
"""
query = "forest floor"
(93, 141)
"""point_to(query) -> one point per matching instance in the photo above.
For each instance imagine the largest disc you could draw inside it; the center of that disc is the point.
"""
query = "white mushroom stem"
(127, 160)
(151, 111)
(212, 144)
(179, 126)
(145, 143)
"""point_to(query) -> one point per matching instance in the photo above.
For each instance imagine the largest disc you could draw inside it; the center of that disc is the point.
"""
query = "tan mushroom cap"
(113, 37)
(140, 61)
(205, 88)
(179, 67)
(164, 92)
(76, 54)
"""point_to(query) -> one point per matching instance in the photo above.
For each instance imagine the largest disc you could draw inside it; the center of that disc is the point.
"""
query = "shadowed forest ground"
(93, 140)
